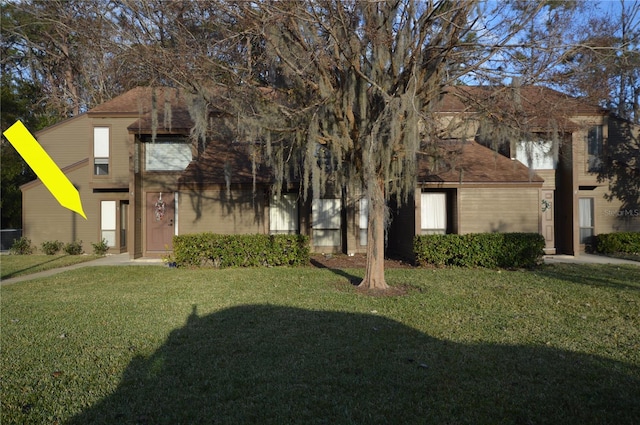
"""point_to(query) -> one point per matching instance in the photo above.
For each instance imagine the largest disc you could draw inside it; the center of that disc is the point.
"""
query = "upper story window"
(594, 148)
(101, 151)
(536, 154)
(167, 154)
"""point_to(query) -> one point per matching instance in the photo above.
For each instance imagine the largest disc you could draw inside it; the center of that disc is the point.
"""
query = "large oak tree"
(335, 94)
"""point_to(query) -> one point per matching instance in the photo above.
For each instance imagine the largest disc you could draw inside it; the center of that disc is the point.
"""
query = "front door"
(548, 222)
(160, 221)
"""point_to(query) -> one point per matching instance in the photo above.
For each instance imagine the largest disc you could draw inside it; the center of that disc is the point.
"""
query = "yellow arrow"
(44, 167)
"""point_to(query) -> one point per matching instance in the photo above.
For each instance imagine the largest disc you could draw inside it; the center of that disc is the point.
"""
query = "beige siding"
(608, 217)
(68, 142)
(483, 210)
(549, 177)
(118, 146)
(239, 212)
(45, 220)
(579, 141)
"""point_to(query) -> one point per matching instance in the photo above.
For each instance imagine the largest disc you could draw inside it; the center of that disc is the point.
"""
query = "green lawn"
(18, 265)
(153, 345)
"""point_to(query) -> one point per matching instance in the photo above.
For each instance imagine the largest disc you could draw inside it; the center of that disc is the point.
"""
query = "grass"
(151, 345)
(18, 265)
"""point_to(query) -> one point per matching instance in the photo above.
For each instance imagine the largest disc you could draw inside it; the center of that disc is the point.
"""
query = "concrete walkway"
(107, 260)
(124, 260)
(586, 259)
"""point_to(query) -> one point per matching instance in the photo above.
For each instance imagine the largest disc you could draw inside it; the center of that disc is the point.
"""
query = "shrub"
(73, 248)
(51, 247)
(613, 243)
(21, 246)
(100, 248)
(491, 250)
(213, 250)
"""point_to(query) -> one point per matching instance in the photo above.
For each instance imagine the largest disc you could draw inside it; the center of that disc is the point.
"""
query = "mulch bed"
(340, 262)
(357, 261)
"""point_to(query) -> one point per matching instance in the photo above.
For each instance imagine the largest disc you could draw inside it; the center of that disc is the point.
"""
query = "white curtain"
(539, 153)
(108, 222)
(101, 142)
(585, 210)
(433, 213)
(162, 156)
(364, 221)
(283, 214)
(325, 216)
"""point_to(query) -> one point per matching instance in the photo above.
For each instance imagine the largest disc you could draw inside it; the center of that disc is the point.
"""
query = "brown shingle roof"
(138, 103)
(537, 108)
(470, 162)
(224, 161)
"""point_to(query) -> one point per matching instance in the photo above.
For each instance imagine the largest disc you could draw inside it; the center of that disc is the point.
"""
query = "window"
(326, 222)
(594, 148)
(585, 208)
(364, 221)
(537, 155)
(283, 214)
(433, 213)
(108, 222)
(101, 151)
(167, 154)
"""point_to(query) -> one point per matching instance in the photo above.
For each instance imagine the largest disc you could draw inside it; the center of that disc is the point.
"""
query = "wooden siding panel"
(491, 210)
(580, 160)
(239, 212)
(45, 220)
(608, 215)
(119, 140)
(69, 141)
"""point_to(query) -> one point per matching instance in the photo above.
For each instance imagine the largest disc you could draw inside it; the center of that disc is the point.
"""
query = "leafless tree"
(337, 94)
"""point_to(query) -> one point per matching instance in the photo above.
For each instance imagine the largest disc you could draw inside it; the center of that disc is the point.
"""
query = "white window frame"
(108, 222)
(325, 222)
(363, 221)
(586, 209)
(167, 154)
(433, 213)
(540, 152)
(283, 214)
(101, 151)
(595, 139)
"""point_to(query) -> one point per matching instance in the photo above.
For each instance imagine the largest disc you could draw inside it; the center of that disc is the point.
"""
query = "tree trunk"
(374, 275)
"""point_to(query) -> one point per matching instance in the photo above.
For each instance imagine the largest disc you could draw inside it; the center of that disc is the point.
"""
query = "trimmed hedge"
(490, 250)
(213, 250)
(614, 243)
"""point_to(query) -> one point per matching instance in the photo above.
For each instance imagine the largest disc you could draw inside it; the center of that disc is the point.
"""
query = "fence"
(7, 236)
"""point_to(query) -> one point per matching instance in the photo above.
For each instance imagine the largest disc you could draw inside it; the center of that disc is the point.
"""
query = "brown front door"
(548, 222)
(160, 221)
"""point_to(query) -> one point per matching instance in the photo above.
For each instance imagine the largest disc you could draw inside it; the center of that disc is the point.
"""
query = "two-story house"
(142, 180)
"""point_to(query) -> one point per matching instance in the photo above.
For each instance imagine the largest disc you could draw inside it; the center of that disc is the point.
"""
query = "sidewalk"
(124, 260)
(586, 259)
(108, 260)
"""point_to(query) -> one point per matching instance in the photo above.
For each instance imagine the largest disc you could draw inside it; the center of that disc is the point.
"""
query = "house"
(143, 179)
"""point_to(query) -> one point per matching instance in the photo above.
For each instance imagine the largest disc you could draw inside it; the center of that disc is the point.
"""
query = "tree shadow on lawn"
(277, 365)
